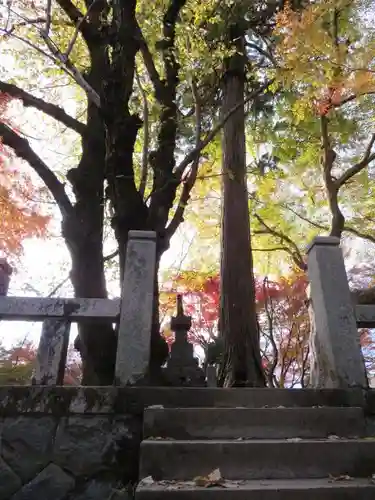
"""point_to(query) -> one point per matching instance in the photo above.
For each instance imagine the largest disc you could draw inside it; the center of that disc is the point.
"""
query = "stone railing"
(133, 312)
(335, 352)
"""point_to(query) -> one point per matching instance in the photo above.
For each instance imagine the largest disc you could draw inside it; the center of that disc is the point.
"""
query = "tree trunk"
(83, 233)
(238, 318)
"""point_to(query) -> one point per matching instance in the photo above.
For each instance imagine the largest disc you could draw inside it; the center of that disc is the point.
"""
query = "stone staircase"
(267, 444)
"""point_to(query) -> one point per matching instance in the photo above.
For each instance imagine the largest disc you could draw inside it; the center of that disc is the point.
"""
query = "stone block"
(134, 336)
(337, 360)
(52, 352)
(89, 445)
(9, 481)
(257, 458)
(27, 444)
(94, 490)
(83, 444)
(52, 483)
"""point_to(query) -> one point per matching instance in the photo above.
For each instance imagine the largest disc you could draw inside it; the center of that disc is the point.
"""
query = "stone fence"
(132, 312)
(336, 356)
(335, 352)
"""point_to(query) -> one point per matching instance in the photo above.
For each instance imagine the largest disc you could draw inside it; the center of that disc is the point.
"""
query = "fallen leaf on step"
(294, 440)
(160, 438)
(343, 477)
(372, 479)
(333, 437)
(240, 439)
(212, 479)
(147, 481)
(281, 406)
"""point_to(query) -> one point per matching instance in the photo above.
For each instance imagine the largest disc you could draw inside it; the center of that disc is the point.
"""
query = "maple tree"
(17, 364)
(20, 217)
(311, 167)
(282, 315)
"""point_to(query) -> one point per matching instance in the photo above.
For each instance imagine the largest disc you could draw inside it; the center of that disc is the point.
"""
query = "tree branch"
(149, 63)
(179, 170)
(50, 109)
(190, 181)
(364, 236)
(48, 16)
(146, 137)
(23, 150)
(355, 169)
(295, 253)
(77, 18)
(332, 186)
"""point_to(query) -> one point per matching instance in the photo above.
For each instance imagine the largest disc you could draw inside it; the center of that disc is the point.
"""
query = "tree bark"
(238, 317)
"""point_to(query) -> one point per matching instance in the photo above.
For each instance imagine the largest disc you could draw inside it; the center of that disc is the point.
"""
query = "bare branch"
(48, 17)
(78, 30)
(58, 58)
(71, 70)
(77, 18)
(111, 255)
(23, 150)
(351, 98)
(262, 52)
(268, 306)
(364, 236)
(50, 109)
(149, 62)
(304, 218)
(332, 186)
(355, 169)
(21, 24)
(292, 249)
(211, 135)
(190, 181)
(146, 137)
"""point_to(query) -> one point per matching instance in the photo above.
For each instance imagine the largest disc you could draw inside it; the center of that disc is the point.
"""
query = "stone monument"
(182, 366)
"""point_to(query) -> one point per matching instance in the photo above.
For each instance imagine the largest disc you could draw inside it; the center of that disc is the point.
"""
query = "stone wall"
(60, 443)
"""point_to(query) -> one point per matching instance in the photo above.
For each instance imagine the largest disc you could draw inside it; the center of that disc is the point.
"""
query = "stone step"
(308, 489)
(269, 423)
(174, 397)
(257, 459)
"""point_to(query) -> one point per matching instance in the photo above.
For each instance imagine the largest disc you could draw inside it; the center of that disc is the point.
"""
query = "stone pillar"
(336, 356)
(182, 367)
(137, 296)
(52, 352)
(5, 274)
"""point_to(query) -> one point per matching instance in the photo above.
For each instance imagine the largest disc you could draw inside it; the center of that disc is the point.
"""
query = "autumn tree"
(20, 215)
(147, 78)
(281, 307)
(320, 138)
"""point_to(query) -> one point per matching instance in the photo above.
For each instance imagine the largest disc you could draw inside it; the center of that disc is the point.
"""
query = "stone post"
(137, 296)
(52, 352)
(336, 356)
(182, 367)
(5, 274)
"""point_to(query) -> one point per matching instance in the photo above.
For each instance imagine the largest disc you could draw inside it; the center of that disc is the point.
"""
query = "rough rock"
(51, 484)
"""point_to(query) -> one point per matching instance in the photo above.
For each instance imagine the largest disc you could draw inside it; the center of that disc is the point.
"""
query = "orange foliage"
(19, 215)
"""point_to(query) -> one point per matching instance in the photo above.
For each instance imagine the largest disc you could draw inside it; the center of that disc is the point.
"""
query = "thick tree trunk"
(83, 233)
(238, 318)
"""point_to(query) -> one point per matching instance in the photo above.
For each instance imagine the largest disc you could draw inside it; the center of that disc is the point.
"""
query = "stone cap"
(332, 241)
(142, 235)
